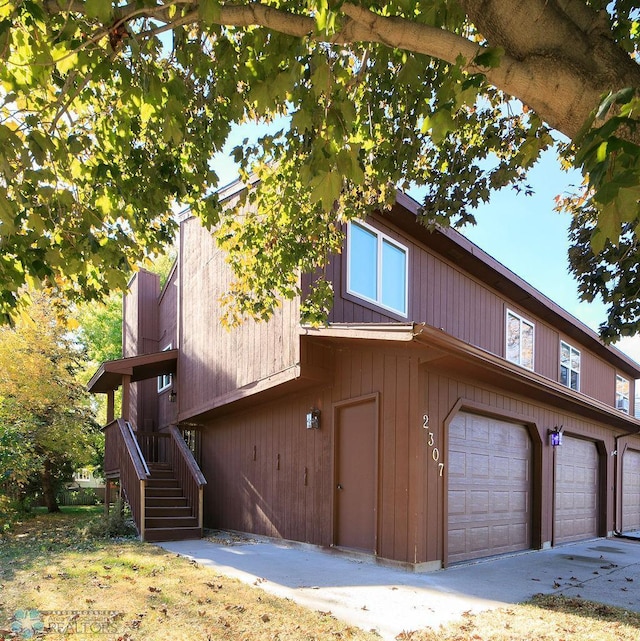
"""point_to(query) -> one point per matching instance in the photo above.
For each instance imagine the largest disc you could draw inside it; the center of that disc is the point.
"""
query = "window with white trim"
(519, 339)
(622, 394)
(377, 268)
(569, 366)
(165, 380)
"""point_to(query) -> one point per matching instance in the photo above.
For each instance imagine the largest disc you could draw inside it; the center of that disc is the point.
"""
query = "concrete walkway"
(390, 600)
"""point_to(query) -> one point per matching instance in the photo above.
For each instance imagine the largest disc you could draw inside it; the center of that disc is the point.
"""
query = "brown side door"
(355, 487)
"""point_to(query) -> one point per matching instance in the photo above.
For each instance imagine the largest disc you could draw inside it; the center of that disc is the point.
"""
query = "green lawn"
(133, 591)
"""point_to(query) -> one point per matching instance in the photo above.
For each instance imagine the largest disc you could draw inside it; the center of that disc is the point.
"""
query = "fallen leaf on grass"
(265, 618)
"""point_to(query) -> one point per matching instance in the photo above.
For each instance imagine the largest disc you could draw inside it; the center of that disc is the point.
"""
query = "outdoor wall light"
(555, 436)
(172, 396)
(313, 419)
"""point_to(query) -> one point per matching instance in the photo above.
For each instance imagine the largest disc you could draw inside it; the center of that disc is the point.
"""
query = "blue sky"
(523, 232)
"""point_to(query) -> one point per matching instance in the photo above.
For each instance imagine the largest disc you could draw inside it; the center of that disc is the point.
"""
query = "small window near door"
(165, 380)
(622, 394)
(569, 366)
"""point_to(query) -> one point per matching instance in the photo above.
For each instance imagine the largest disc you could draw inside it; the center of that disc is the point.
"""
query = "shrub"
(115, 524)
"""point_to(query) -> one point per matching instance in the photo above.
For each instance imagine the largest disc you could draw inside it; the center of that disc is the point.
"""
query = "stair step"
(168, 510)
(171, 533)
(163, 491)
(165, 501)
(156, 482)
(162, 474)
(168, 522)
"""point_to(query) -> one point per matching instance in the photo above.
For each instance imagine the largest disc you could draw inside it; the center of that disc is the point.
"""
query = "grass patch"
(52, 562)
(546, 617)
(58, 562)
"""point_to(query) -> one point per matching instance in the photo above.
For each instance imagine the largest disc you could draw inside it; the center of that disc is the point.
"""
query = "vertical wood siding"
(255, 496)
(444, 296)
(215, 361)
(167, 412)
(268, 474)
(140, 336)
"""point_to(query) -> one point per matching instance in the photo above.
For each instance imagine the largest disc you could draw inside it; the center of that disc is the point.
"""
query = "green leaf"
(490, 57)
(321, 77)
(601, 154)
(327, 186)
(209, 11)
(100, 9)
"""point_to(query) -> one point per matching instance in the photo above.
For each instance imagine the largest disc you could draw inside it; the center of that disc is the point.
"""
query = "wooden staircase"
(159, 478)
(167, 515)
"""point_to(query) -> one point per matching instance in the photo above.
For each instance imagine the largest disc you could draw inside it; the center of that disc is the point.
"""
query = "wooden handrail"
(139, 464)
(187, 473)
(123, 459)
(187, 454)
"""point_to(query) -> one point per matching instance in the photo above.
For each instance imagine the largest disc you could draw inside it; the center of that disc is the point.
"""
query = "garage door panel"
(631, 491)
(478, 432)
(576, 492)
(478, 466)
(496, 486)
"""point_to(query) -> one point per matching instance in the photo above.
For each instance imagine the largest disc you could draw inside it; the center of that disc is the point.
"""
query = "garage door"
(631, 491)
(489, 487)
(576, 496)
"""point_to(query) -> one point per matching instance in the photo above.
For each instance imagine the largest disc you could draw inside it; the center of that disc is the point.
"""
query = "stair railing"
(154, 446)
(124, 459)
(187, 473)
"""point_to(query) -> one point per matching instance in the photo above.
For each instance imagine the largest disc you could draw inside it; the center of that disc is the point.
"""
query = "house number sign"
(431, 443)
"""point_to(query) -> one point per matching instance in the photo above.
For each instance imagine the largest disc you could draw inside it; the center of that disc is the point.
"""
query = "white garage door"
(631, 491)
(576, 495)
(489, 496)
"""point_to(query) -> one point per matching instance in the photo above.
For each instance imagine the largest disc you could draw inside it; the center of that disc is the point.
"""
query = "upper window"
(377, 268)
(165, 380)
(519, 340)
(622, 394)
(569, 366)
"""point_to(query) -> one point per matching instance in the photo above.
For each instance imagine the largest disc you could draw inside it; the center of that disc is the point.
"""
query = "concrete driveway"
(390, 600)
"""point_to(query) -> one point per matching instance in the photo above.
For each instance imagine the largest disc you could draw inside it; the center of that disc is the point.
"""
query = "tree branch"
(534, 67)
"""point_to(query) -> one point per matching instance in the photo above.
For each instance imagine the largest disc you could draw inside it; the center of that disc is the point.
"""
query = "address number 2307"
(431, 443)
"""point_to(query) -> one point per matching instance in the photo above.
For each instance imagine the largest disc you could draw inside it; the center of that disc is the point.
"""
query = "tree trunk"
(48, 488)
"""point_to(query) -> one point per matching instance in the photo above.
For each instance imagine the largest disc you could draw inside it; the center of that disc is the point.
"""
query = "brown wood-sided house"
(416, 426)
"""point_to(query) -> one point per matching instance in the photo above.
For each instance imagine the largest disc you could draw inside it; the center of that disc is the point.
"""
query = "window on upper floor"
(377, 268)
(520, 335)
(165, 380)
(622, 394)
(569, 366)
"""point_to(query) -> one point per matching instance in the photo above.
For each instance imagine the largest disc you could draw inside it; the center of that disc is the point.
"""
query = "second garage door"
(576, 494)
(489, 496)
(631, 491)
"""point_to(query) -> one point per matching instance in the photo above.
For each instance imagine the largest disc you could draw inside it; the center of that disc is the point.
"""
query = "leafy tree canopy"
(46, 425)
(100, 329)
(111, 112)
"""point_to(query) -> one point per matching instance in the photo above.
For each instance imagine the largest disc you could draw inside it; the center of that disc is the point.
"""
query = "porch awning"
(109, 374)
